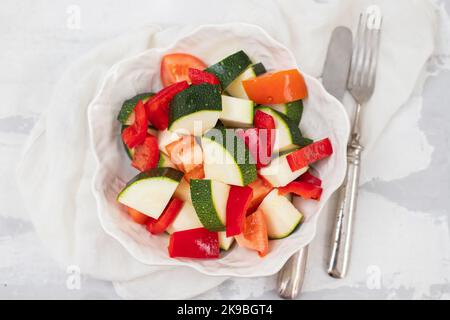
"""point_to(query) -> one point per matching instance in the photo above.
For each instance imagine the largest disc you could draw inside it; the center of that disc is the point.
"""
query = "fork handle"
(348, 193)
(291, 277)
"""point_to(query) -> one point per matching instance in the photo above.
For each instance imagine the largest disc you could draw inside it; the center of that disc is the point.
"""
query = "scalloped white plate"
(323, 116)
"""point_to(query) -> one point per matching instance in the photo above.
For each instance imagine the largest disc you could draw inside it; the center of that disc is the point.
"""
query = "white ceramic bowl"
(323, 117)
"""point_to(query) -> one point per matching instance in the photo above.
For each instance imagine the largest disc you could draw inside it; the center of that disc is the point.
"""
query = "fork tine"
(361, 81)
(368, 57)
(355, 53)
(373, 62)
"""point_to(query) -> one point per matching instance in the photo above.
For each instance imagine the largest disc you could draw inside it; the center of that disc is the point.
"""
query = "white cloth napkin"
(57, 165)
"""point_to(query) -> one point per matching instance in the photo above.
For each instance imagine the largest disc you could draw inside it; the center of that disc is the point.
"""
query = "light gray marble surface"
(31, 61)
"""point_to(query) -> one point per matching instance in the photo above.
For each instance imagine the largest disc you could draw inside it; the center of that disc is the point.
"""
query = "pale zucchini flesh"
(236, 112)
(224, 241)
(278, 172)
(185, 220)
(282, 217)
(149, 192)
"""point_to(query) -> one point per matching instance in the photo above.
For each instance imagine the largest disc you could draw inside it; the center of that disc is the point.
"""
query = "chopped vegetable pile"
(220, 154)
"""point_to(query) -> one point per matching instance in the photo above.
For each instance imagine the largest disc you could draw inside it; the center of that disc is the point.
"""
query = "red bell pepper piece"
(260, 140)
(158, 105)
(199, 77)
(311, 153)
(309, 178)
(239, 199)
(302, 189)
(166, 218)
(197, 243)
(136, 133)
(254, 235)
(146, 155)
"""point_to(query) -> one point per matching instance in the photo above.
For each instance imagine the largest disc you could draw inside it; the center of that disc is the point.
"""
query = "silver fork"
(361, 84)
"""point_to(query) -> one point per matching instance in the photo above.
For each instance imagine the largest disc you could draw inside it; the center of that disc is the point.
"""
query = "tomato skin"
(137, 216)
(254, 235)
(146, 155)
(199, 77)
(261, 188)
(276, 87)
(175, 66)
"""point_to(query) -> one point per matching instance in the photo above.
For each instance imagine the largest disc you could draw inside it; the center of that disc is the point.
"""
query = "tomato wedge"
(196, 173)
(158, 105)
(136, 133)
(254, 236)
(166, 218)
(175, 67)
(185, 153)
(199, 77)
(197, 243)
(261, 188)
(238, 201)
(146, 155)
(302, 189)
(311, 153)
(137, 216)
(276, 87)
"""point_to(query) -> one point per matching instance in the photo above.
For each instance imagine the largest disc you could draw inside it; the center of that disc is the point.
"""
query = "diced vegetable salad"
(220, 151)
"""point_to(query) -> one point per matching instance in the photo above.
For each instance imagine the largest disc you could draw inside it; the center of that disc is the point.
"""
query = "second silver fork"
(361, 85)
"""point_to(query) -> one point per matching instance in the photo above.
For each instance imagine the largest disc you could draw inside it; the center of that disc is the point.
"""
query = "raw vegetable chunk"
(126, 114)
(236, 89)
(302, 189)
(254, 235)
(158, 105)
(150, 191)
(166, 218)
(199, 77)
(146, 155)
(175, 66)
(281, 216)
(288, 134)
(210, 202)
(185, 220)
(237, 113)
(228, 69)
(195, 110)
(164, 161)
(224, 241)
(314, 152)
(197, 243)
(276, 87)
(166, 137)
(185, 153)
(279, 173)
(137, 216)
(238, 202)
(261, 188)
(293, 110)
(227, 158)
